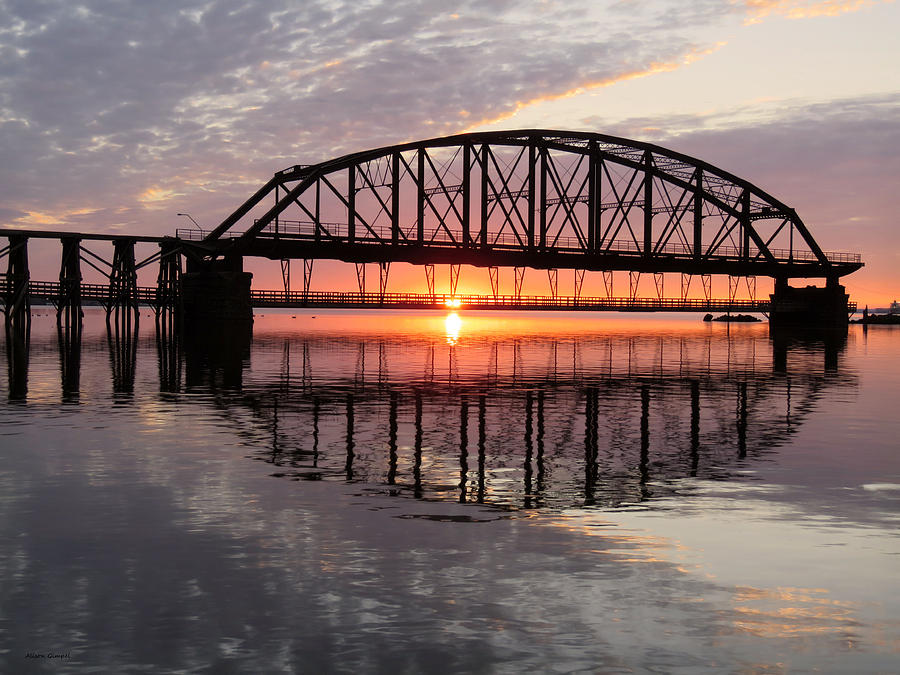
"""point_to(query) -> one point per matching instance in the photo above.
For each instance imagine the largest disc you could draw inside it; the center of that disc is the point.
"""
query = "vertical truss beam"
(384, 269)
(706, 279)
(532, 153)
(429, 280)
(751, 287)
(454, 279)
(286, 274)
(467, 196)
(307, 276)
(351, 203)
(494, 273)
(634, 281)
(593, 223)
(543, 188)
(395, 198)
(745, 224)
(420, 200)
(519, 280)
(658, 281)
(608, 283)
(361, 277)
(553, 278)
(579, 283)
(733, 283)
(686, 285)
(484, 196)
(698, 214)
(648, 204)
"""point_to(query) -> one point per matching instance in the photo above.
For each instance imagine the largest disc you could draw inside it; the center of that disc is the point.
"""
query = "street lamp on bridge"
(188, 215)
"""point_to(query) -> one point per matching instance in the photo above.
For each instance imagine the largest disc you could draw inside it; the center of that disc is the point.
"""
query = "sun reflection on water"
(452, 325)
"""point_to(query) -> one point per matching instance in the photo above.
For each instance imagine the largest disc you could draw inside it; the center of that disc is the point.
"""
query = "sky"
(116, 115)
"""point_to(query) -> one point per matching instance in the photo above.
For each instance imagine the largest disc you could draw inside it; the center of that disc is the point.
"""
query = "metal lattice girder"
(608, 283)
(751, 287)
(733, 283)
(534, 198)
(286, 274)
(579, 283)
(634, 282)
(383, 271)
(429, 279)
(686, 285)
(519, 273)
(707, 286)
(454, 278)
(494, 273)
(553, 279)
(307, 275)
(361, 277)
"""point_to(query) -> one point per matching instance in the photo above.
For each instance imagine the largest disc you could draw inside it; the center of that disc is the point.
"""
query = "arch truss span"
(536, 198)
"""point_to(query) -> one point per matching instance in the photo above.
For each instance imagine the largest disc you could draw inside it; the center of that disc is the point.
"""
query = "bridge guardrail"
(339, 232)
(460, 301)
(51, 290)
(439, 236)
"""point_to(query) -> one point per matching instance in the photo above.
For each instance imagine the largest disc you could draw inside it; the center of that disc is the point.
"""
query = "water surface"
(418, 492)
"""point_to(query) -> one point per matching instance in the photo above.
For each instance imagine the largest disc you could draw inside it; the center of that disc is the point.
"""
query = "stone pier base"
(812, 307)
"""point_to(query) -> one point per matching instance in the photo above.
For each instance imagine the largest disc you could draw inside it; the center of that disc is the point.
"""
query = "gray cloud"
(103, 102)
(835, 162)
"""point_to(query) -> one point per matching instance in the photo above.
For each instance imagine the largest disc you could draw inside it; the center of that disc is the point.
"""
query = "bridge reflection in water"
(591, 419)
(603, 419)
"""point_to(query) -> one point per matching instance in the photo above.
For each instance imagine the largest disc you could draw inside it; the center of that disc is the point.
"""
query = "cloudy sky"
(116, 114)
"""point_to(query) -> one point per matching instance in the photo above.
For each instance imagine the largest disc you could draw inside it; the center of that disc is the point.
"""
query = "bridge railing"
(339, 232)
(52, 291)
(445, 301)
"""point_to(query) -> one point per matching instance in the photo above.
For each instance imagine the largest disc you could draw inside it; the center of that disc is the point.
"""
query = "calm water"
(425, 493)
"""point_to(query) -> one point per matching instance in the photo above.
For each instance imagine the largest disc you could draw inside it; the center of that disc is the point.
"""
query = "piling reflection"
(68, 334)
(18, 337)
(122, 342)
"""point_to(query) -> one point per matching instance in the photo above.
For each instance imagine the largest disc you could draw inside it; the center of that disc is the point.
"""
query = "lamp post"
(188, 215)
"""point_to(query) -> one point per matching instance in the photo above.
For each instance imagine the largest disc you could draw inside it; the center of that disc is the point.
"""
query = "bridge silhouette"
(534, 199)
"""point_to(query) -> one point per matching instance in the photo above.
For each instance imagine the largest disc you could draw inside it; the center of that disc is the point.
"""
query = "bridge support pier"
(15, 294)
(68, 309)
(216, 297)
(810, 307)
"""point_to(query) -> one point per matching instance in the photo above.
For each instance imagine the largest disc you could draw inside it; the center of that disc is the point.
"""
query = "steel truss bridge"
(537, 199)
